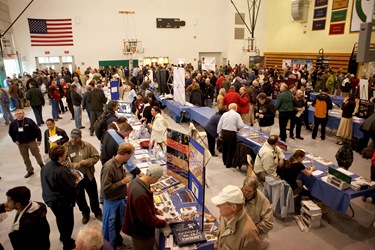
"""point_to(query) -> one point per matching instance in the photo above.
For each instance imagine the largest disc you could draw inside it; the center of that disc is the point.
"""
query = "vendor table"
(177, 111)
(161, 99)
(338, 100)
(338, 200)
(334, 122)
(201, 115)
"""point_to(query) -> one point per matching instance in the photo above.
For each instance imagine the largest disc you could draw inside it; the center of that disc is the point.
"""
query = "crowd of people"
(242, 96)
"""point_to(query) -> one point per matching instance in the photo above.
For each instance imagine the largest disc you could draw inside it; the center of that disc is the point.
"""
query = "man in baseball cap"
(236, 229)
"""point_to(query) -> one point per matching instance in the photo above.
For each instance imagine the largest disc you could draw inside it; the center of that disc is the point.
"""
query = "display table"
(338, 100)
(201, 115)
(161, 99)
(334, 122)
(177, 111)
(338, 200)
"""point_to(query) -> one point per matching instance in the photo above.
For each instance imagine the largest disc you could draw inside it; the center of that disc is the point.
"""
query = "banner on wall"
(338, 16)
(339, 4)
(362, 12)
(337, 29)
(208, 63)
(178, 155)
(319, 3)
(300, 63)
(319, 25)
(286, 64)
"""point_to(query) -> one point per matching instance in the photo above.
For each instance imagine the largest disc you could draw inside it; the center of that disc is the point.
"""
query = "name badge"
(73, 155)
(20, 129)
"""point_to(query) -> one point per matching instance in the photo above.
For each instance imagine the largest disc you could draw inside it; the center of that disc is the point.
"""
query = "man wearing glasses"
(27, 135)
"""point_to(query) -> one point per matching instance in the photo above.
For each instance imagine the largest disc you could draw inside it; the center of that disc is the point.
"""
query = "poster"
(179, 85)
(196, 169)
(362, 12)
(337, 29)
(208, 63)
(338, 16)
(286, 64)
(178, 155)
(319, 25)
(300, 63)
(319, 3)
(320, 13)
(339, 4)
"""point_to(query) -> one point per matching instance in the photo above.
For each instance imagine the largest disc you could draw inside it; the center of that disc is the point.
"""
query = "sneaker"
(72, 119)
(59, 117)
(85, 219)
(82, 127)
(56, 120)
(29, 174)
(99, 217)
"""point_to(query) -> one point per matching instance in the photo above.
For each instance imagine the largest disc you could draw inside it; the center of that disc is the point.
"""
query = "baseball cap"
(76, 133)
(155, 171)
(231, 194)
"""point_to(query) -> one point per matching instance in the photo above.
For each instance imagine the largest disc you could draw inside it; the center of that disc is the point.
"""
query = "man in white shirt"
(268, 158)
(230, 122)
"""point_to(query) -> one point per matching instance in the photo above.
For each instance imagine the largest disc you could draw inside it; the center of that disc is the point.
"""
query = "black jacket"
(76, 98)
(269, 111)
(59, 132)
(209, 91)
(59, 187)
(268, 88)
(96, 100)
(31, 131)
(35, 96)
(33, 231)
(196, 97)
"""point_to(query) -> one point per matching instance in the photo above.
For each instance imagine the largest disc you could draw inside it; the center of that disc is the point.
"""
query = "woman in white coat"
(158, 127)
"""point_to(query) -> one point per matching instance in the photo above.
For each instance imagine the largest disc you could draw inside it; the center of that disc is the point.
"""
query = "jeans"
(6, 113)
(78, 116)
(113, 217)
(16, 103)
(38, 114)
(92, 191)
(55, 109)
(208, 103)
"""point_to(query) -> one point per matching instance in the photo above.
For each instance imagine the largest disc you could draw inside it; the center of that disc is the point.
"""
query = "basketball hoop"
(248, 45)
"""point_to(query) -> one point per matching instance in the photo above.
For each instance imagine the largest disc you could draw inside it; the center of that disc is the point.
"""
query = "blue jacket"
(211, 126)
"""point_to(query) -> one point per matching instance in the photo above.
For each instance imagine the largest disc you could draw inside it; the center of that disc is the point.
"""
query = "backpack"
(4, 97)
(320, 109)
(100, 126)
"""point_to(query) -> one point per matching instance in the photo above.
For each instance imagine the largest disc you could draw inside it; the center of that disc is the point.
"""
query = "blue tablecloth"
(201, 114)
(338, 100)
(176, 109)
(163, 100)
(334, 122)
(338, 200)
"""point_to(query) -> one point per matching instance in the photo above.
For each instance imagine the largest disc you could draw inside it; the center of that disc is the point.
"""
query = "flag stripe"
(51, 41)
(53, 44)
(51, 32)
(67, 36)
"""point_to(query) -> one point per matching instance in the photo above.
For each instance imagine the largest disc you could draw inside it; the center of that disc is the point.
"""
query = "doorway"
(55, 62)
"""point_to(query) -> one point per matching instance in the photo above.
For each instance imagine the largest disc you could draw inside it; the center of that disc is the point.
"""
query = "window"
(67, 59)
(54, 59)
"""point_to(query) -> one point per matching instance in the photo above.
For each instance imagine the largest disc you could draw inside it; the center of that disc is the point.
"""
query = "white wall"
(98, 36)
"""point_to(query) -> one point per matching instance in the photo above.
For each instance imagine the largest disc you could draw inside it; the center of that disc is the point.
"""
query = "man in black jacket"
(36, 98)
(30, 229)
(265, 113)
(96, 101)
(77, 102)
(27, 135)
(59, 191)
(209, 92)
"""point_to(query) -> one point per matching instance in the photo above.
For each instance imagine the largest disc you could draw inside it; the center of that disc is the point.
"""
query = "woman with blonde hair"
(220, 97)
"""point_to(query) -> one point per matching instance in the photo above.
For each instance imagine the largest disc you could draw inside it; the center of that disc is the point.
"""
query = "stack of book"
(311, 214)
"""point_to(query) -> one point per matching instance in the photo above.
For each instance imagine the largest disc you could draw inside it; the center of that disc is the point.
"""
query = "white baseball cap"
(231, 194)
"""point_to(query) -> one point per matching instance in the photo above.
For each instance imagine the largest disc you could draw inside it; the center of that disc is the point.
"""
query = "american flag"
(51, 32)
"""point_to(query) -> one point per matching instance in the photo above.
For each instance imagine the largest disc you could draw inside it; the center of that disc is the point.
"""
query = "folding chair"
(197, 135)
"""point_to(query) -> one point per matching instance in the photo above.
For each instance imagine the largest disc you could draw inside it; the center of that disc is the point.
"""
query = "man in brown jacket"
(83, 156)
(236, 229)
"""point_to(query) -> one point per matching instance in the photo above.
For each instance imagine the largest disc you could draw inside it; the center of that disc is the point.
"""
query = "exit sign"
(66, 51)
(46, 52)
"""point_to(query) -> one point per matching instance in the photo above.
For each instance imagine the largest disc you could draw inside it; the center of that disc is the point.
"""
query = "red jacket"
(54, 93)
(219, 81)
(231, 97)
(244, 105)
